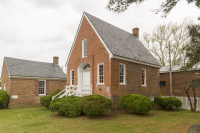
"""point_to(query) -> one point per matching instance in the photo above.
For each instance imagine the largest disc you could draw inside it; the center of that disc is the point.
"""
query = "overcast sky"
(40, 29)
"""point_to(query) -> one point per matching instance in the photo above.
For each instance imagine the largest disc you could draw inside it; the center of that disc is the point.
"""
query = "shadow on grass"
(128, 112)
(84, 117)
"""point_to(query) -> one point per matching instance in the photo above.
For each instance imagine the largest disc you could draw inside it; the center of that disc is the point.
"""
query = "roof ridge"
(29, 60)
(108, 23)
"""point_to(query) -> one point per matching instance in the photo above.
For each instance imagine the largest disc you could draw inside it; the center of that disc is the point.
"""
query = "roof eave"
(46, 78)
(135, 61)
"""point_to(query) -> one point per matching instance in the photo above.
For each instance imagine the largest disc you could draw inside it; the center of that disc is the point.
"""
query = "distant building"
(26, 81)
(177, 81)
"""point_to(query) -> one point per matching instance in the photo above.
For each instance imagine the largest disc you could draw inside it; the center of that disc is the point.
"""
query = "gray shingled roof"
(26, 68)
(177, 68)
(122, 43)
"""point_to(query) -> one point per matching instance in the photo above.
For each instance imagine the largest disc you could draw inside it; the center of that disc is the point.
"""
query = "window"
(162, 83)
(100, 74)
(122, 74)
(143, 77)
(42, 87)
(84, 48)
(72, 77)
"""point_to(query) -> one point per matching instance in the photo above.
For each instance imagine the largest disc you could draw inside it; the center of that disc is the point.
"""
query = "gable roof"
(25, 68)
(119, 42)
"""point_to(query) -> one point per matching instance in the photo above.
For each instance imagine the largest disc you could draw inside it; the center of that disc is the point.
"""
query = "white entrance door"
(86, 81)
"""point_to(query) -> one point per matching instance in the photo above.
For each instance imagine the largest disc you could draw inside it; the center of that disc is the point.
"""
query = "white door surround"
(84, 77)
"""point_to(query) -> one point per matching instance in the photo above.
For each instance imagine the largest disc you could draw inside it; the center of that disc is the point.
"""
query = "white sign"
(107, 89)
(151, 98)
(14, 96)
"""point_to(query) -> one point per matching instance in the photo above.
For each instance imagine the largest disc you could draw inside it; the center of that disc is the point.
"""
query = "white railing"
(186, 102)
(79, 90)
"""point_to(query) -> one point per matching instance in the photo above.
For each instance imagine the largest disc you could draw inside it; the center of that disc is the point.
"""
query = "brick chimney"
(55, 59)
(136, 32)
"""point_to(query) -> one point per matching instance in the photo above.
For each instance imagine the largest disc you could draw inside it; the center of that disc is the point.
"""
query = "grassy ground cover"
(39, 119)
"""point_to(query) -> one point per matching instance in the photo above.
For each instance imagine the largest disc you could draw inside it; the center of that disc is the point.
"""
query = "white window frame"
(71, 77)
(98, 83)
(4, 87)
(44, 87)
(144, 77)
(124, 75)
(83, 50)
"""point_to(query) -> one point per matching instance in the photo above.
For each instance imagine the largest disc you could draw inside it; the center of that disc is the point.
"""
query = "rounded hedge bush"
(168, 102)
(67, 106)
(162, 102)
(136, 103)
(3, 98)
(46, 100)
(94, 105)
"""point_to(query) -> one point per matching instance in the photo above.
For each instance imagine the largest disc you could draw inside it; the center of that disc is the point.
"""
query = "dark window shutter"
(37, 87)
(47, 87)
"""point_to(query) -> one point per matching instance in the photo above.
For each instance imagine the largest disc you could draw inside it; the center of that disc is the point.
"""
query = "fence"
(186, 102)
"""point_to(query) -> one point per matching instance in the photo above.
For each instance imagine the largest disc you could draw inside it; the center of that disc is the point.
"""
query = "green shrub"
(3, 98)
(136, 103)
(162, 102)
(67, 106)
(94, 105)
(46, 100)
(168, 102)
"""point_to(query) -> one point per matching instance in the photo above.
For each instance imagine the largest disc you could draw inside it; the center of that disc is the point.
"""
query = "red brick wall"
(5, 78)
(96, 53)
(25, 89)
(134, 79)
(178, 83)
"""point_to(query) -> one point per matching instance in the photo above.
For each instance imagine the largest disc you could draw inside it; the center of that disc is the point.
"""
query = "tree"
(166, 7)
(193, 54)
(174, 33)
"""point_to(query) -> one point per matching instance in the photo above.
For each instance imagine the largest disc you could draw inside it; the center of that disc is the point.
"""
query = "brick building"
(177, 81)
(111, 61)
(26, 81)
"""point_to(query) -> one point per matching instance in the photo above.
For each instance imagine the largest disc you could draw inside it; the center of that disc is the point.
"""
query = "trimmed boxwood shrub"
(162, 102)
(67, 106)
(136, 103)
(168, 102)
(3, 98)
(94, 105)
(46, 100)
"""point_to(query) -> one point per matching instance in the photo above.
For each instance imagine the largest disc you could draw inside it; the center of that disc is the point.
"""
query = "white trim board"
(84, 15)
(134, 61)
(41, 78)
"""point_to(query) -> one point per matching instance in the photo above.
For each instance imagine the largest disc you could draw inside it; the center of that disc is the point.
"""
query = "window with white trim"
(84, 48)
(122, 74)
(143, 77)
(42, 87)
(72, 77)
(100, 73)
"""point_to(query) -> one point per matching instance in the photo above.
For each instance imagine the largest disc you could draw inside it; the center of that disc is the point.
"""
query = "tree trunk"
(195, 100)
(187, 93)
(192, 110)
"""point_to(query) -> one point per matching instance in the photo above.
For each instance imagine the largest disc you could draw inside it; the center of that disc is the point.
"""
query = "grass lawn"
(39, 119)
